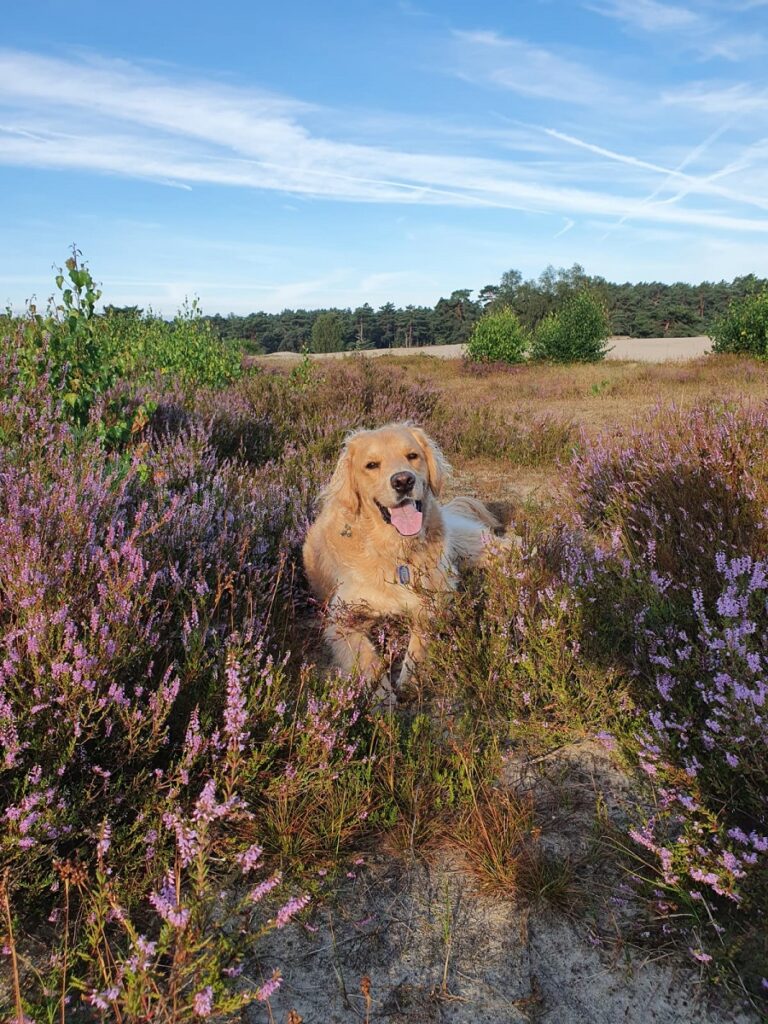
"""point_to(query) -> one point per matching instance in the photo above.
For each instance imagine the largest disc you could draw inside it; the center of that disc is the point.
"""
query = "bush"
(509, 650)
(744, 327)
(148, 714)
(85, 356)
(682, 487)
(575, 333)
(669, 565)
(164, 759)
(498, 337)
(185, 349)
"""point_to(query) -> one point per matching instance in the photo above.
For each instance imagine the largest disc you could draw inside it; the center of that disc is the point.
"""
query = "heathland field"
(564, 819)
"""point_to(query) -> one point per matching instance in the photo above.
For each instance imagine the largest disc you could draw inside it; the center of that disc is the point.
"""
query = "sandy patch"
(645, 350)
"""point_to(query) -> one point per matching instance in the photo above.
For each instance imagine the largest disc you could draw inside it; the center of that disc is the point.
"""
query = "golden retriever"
(382, 542)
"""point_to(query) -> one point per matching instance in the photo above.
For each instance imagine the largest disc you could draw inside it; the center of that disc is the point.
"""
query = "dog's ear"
(342, 487)
(438, 467)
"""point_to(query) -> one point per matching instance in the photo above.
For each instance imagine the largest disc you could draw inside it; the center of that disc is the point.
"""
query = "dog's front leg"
(352, 650)
(416, 647)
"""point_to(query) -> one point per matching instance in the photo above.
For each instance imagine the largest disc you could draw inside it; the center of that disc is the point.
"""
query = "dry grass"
(595, 398)
(593, 395)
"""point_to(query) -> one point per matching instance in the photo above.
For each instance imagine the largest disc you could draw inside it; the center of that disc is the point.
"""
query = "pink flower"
(291, 908)
(167, 906)
(203, 1002)
(249, 860)
(269, 988)
(697, 954)
(261, 890)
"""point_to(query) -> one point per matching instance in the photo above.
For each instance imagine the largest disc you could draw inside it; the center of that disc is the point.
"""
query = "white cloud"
(649, 15)
(709, 98)
(685, 28)
(529, 70)
(123, 121)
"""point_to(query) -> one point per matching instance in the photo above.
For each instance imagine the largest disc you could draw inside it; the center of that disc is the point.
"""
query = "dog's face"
(390, 472)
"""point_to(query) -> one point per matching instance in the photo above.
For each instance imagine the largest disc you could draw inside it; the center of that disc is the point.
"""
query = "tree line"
(642, 310)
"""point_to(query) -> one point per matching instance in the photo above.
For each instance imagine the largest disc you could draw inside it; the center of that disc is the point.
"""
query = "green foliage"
(327, 333)
(498, 337)
(647, 309)
(744, 326)
(510, 648)
(575, 333)
(67, 345)
(84, 355)
(186, 349)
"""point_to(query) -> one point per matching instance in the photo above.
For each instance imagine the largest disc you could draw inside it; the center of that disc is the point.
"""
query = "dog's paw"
(495, 544)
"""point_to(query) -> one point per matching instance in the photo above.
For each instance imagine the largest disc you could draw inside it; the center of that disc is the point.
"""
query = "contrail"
(693, 181)
(700, 184)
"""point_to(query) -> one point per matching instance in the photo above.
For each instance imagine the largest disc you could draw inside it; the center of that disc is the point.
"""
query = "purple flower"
(235, 711)
(166, 903)
(250, 858)
(261, 890)
(203, 1002)
(269, 988)
(105, 839)
(702, 957)
(290, 909)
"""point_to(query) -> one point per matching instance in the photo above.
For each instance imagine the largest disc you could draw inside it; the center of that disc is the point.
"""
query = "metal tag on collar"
(403, 575)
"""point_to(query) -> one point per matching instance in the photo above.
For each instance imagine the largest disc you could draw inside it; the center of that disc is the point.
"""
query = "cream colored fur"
(352, 555)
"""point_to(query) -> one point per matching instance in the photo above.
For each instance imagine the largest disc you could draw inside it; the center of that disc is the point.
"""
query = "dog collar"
(403, 575)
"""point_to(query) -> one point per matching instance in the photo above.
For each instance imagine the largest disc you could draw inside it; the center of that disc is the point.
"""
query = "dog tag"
(404, 575)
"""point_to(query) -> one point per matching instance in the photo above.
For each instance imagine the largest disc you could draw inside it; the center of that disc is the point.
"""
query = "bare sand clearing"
(644, 350)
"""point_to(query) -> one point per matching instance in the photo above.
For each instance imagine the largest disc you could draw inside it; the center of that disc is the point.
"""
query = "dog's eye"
(372, 465)
(411, 456)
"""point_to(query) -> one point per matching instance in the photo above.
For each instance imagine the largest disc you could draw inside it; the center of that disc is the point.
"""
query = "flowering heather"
(679, 488)
(157, 745)
(674, 586)
(706, 741)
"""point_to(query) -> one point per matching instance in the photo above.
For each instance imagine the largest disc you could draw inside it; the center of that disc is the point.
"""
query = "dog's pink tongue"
(406, 519)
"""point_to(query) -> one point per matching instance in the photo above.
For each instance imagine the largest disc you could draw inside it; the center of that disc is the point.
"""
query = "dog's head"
(389, 472)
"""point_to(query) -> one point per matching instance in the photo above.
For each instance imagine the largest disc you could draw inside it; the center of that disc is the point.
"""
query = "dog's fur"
(354, 557)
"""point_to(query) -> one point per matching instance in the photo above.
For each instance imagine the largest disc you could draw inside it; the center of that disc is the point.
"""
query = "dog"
(383, 543)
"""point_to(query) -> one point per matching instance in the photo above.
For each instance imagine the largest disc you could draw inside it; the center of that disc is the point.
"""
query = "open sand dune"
(646, 350)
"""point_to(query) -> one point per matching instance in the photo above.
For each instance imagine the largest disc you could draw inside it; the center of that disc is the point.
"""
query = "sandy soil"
(645, 350)
(437, 949)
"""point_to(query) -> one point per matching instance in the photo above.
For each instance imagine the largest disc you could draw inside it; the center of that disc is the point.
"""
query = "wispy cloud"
(528, 69)
(123, 121)
(648, 15)
(684, 27)
(718, 99)
(565, 228)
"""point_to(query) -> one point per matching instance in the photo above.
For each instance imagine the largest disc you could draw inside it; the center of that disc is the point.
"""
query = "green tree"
(488, 295)
(327, 333)
(386, 324)
(498, 337)
(744, 326)
(366, 329)
(454, 318)
(577, 332)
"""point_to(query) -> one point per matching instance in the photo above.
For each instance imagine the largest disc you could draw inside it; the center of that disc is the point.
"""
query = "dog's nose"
(402, 482)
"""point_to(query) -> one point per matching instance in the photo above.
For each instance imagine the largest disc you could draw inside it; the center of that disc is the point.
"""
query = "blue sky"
(314, 154)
